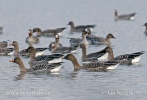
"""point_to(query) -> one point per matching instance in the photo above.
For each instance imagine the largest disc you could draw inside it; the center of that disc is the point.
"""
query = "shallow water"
(126, 82)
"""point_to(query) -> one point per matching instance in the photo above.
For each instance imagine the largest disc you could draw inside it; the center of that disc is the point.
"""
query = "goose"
(5, 51)
(95, 66)
(48, 32)
(96, 56)
(62, 49)
(36, 68)
(16, 52)
(124, 17)
(3, 44)
(54, 58)
(125, 58)
(39, 52)
(57, 44)
(101, 40)
(78, 41)
(31, 38)
(79, 28)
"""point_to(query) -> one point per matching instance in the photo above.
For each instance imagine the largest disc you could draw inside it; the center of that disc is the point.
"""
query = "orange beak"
(11, 61)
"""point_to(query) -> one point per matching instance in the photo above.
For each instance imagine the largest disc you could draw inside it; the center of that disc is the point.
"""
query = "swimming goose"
(125, 58)
(101, 40)
(54, 58)
(36, 68)
(90, 37)
(16, 52)
(79, 28)
(3, 44)
(31, 38)
(57, 44)
(62, 49)
(39, 52)
(78, 41)
(96, 56)
(49, 32)
(5, 51)
(145, 32)
(124, 17)
(96, 66)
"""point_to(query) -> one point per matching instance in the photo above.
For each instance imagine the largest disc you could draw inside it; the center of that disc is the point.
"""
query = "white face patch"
(56, 36)
(53, 45)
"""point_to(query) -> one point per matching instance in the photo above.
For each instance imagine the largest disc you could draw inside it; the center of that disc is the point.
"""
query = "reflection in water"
(20, 76)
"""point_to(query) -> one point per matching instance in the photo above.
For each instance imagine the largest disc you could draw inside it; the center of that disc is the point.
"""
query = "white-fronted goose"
(57, 44)
(31, 38)
(54, 58)
(36, 68)
(96, 66)
(124, 16)
(49, 32)
(62, 49)
(78, 41)
(125, 58)
(101, 40)
(79, 28)
(96, 56)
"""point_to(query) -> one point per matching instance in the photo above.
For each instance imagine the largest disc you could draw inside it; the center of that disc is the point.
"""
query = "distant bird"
(94, 66)
(31, 38)
(145, 32)
(124, 16)
(79, 28)
(48, 32)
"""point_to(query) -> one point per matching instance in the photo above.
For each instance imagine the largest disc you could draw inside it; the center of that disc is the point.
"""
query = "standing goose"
(36, 68)
(124, 17)
(49, 32)
(62, 49)
(96, 56)
(78, 41)
(125, 58)
(97, 66)
(145, 32)
(54, 58)
(57, 44)
(79, 28)
(101, 40)
(31, 38)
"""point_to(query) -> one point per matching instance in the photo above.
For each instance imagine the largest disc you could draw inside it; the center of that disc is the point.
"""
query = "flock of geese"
(102, 60)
